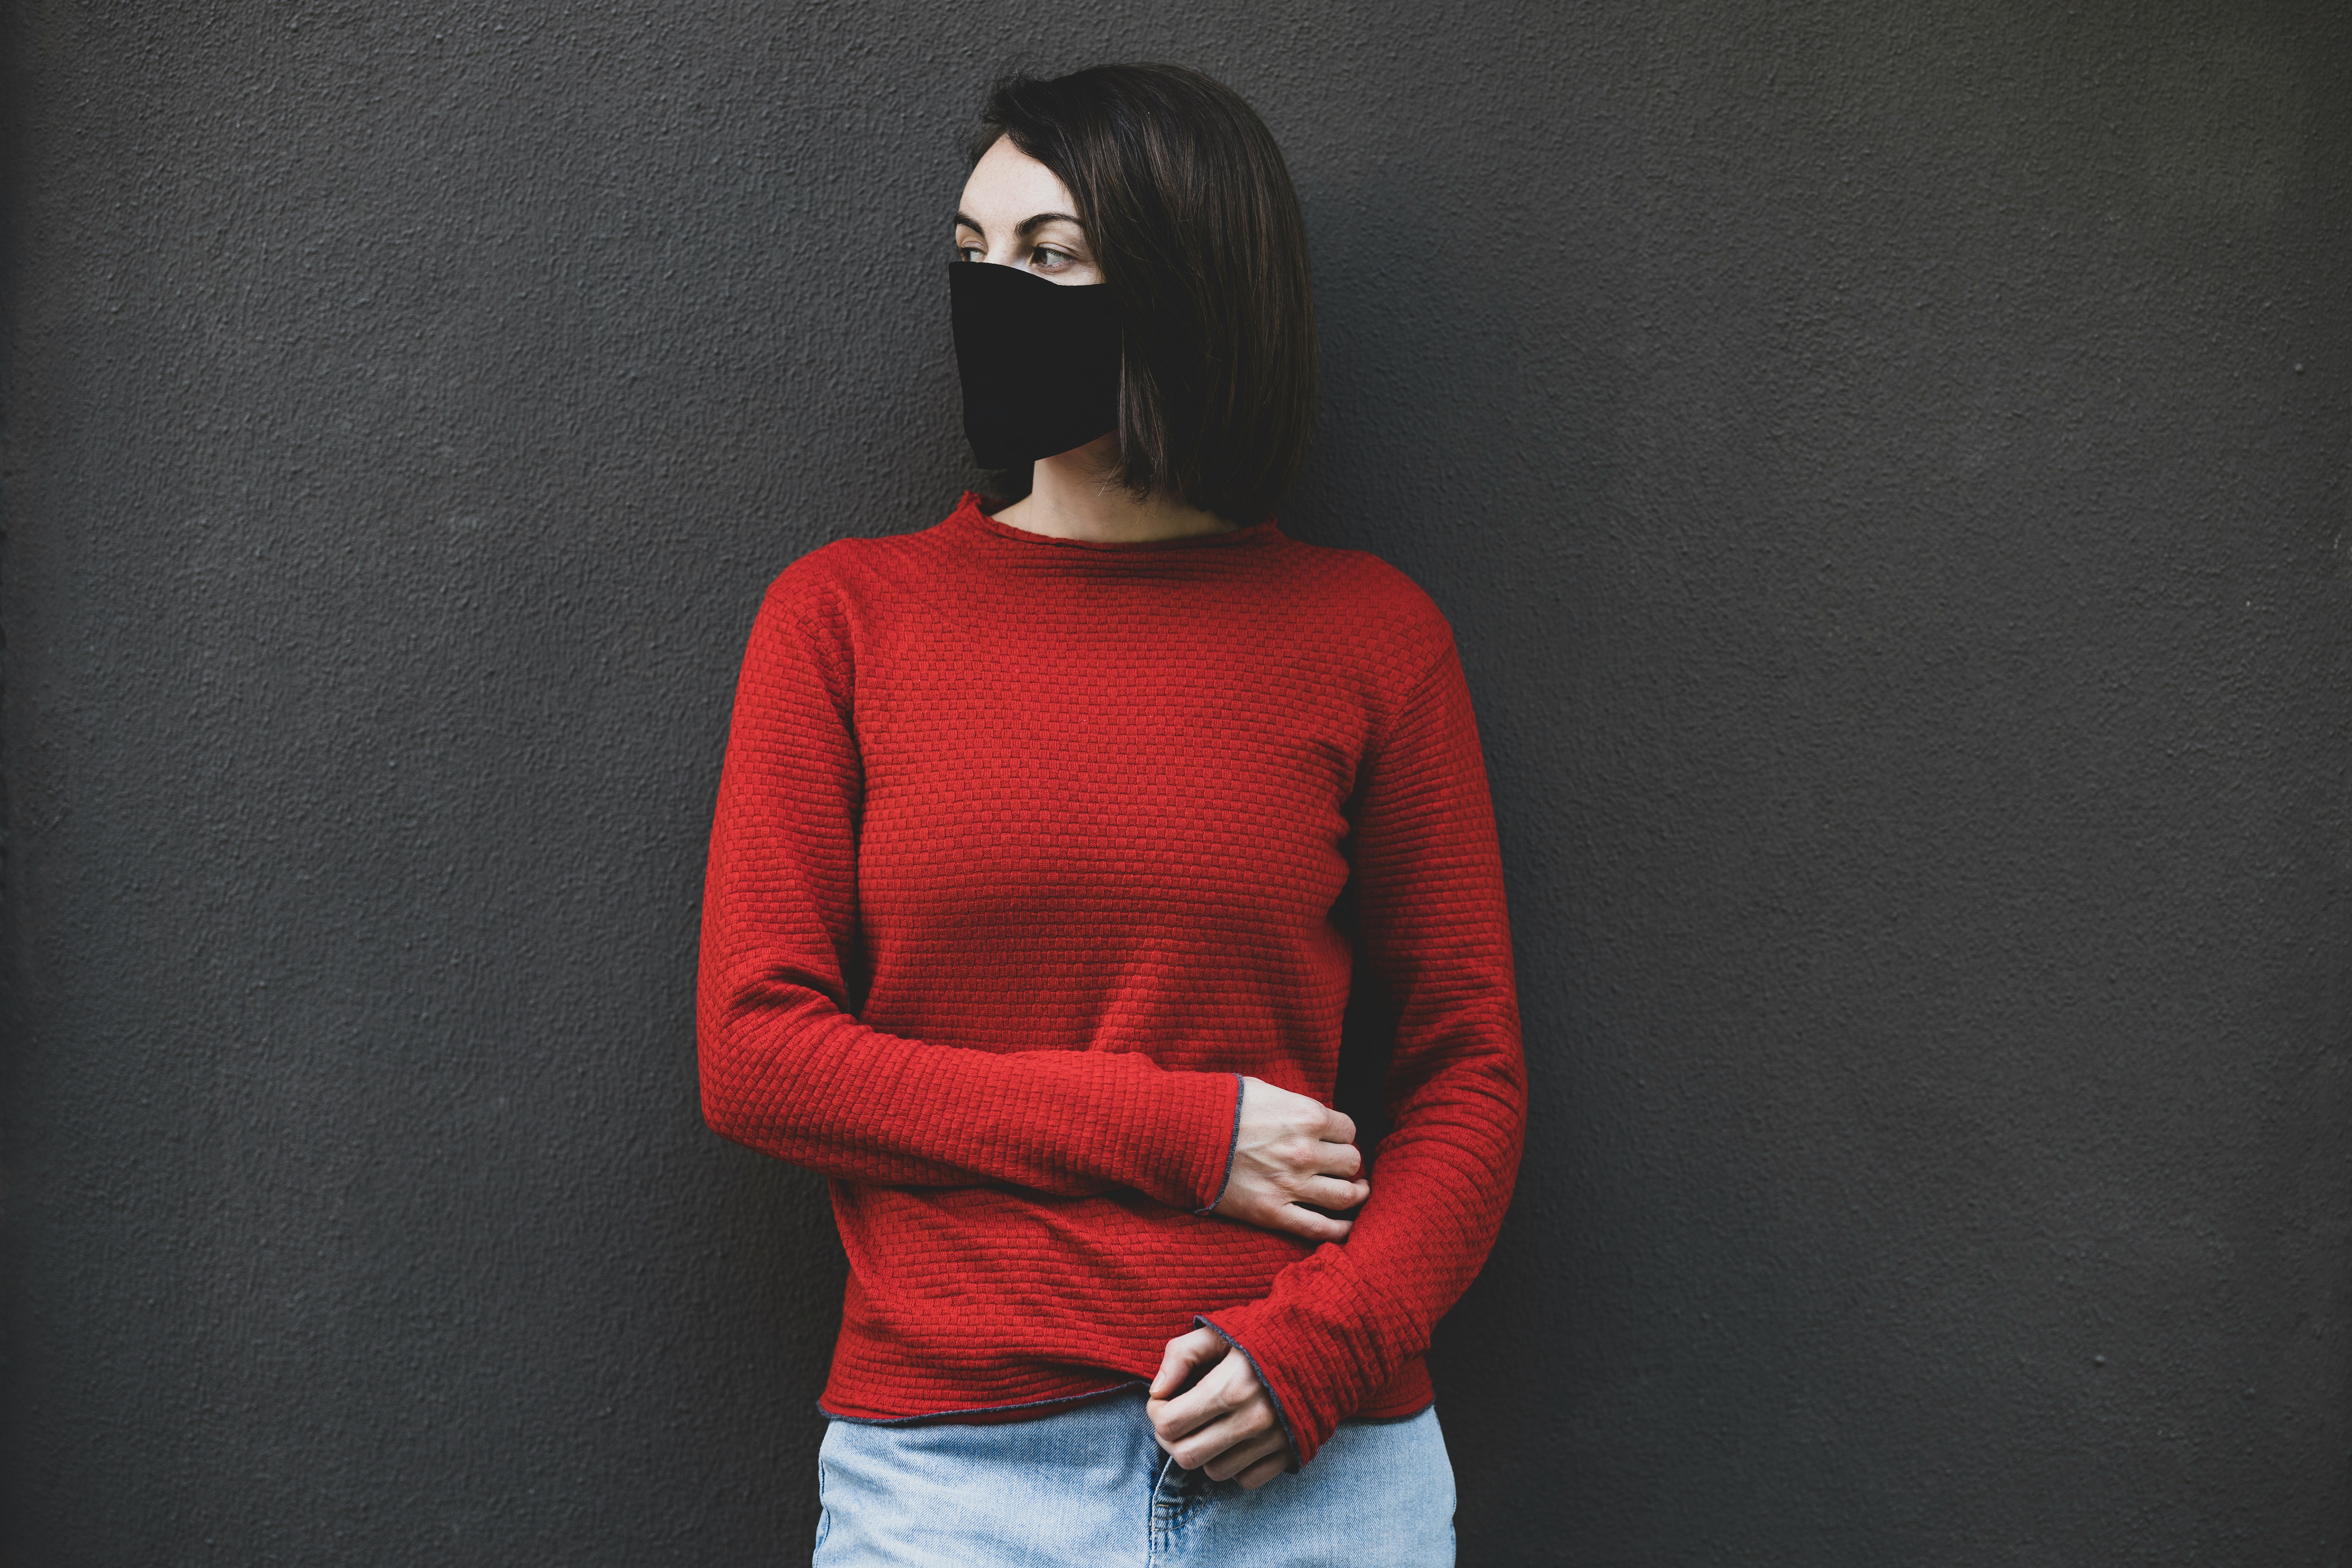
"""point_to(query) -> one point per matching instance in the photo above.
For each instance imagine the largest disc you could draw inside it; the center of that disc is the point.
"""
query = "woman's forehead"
(1008, 187)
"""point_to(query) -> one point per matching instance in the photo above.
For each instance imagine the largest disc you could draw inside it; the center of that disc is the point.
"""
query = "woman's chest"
(1050, 772)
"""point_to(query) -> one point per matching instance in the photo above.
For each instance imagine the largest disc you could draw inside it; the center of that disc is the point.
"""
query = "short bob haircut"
(1193, 220)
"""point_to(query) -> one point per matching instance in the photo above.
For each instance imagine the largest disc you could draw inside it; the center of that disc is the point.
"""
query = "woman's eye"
(970, 253)
(1045, 256)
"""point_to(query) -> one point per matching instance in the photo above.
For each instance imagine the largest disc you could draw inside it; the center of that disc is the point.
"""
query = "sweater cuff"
(1318, 1371)
(1233, 1146)
(1194, 1125)
(1298, 1448)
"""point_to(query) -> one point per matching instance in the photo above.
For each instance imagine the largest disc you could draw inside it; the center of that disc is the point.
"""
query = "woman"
(1024, 917)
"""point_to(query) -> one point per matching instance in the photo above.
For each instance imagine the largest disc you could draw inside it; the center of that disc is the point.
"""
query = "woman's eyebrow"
(1028, 225)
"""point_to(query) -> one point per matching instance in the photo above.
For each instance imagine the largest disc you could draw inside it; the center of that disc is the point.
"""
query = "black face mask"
(1039, 361)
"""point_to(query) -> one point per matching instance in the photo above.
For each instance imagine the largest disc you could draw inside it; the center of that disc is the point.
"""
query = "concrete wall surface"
(1886, 466)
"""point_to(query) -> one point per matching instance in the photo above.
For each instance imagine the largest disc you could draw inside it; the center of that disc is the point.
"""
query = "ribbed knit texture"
(1025, 848)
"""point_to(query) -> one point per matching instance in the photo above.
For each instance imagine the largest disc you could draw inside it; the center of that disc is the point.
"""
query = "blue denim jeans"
(1089, 1489)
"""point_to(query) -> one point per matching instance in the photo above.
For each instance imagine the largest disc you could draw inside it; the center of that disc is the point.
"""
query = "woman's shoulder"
(855, 570)
(1364, 577)
(1362, 599)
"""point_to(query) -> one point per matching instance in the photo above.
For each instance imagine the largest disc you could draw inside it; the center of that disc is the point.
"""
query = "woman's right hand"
(1289, 1150)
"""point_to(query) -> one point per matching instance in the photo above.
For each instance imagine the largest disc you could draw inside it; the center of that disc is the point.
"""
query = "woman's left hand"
(1226, 1421)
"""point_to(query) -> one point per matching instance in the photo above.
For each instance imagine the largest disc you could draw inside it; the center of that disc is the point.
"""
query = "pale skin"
(1289, 1150)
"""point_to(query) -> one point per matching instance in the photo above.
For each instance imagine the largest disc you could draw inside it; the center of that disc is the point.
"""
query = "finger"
(1266, 1470)
(1229, 1388)
(1308, 1223)
(1245, 1454)
(1343, 1160)
(1242, 1458)
(1246, 1426)
(1330, 1192)
(1338, 1127)
(1177, 1365)
(1217, 1394)
(1201, 1347)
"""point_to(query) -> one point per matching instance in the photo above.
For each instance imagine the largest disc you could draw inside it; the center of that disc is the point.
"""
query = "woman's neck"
(1072, 496)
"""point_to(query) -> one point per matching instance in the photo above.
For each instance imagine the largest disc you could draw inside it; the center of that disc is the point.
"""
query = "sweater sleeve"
(1340, 1321)
(788, 1070)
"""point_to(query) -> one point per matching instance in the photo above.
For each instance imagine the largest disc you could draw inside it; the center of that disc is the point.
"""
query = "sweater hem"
(1413, 1415)
(1040, 1406)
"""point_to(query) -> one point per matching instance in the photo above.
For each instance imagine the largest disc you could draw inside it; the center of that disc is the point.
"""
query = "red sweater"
(1025, 849)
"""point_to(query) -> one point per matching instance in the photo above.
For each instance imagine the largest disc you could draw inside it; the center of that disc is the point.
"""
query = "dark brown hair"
(1190, 212)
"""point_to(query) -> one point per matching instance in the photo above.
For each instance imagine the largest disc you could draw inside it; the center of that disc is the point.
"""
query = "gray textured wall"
(1887, 466)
